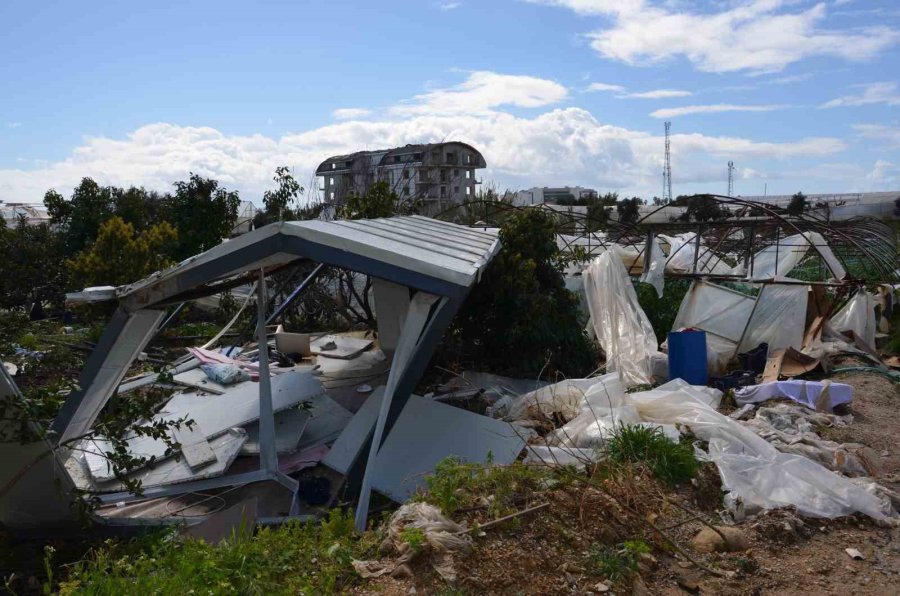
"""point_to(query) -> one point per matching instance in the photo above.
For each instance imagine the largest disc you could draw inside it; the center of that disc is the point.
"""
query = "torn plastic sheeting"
(561, 399)
(779, 318)
(604, 408)
(722, 313)
(802, 392)
(792, 429)
(655, 272)
(777, 261)
(754, 472)
(858, 316)
(682, 248)
(621, 326)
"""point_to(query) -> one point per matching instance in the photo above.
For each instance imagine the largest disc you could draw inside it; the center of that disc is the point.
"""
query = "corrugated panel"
(442, 250)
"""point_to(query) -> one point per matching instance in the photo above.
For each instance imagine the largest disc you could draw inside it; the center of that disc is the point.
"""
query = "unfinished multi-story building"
(434, 175)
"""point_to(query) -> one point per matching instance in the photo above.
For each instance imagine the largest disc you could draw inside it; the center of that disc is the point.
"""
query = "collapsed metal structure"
(423, 270)
(864, 249)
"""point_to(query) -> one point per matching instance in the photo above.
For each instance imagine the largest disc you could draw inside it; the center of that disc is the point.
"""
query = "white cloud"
(350, 113)
(873, 93)
(482, 92)
(890, 135)
(711, 109)
(606, 87)
(445, 6)
(752, 35)
(621, 92)
(561, 146)
(659, 94)
(13, 124)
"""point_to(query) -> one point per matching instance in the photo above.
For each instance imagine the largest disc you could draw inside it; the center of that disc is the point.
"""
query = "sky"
(801, 95)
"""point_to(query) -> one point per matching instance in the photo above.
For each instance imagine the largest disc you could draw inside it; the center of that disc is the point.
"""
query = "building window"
(468, 190)
(334, 166)
(455, 173)
(443, 175)
(423, 175)
(331, 181)
(406, 190)
(332, 195)
(468, 158)
(468, 174)
(417, 156)
(456, 190)
(396, 159)
(443, 192)
(406, 174)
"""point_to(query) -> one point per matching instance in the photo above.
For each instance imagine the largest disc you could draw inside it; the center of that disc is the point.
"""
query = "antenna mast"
(730, 178)
(667, 170)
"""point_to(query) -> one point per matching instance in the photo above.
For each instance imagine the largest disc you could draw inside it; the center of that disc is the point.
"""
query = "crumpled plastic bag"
(225, 374)
(443, 538)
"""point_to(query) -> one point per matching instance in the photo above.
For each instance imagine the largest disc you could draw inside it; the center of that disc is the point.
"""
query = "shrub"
(670, 462)
(119, 255)
(520, 319)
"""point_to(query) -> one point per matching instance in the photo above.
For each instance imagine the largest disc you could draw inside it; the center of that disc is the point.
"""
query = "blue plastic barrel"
(687, 356)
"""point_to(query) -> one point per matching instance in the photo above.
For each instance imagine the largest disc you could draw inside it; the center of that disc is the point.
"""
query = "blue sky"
(801, 95)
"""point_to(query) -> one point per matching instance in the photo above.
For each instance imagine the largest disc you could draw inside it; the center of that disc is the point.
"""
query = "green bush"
(294, 558)
(520, 320)
(670, 462)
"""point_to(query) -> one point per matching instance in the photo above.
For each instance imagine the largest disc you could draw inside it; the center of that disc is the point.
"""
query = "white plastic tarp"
(621, 326)
(682, 249)
(779, 318)
(858, 316)
(757, 475)
(654, 273)
(722, 313)
(777, 261)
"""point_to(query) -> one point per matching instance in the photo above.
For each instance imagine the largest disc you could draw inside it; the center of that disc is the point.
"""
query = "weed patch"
(616, 563)
(294, 558)
(670, 462)
(457, 485)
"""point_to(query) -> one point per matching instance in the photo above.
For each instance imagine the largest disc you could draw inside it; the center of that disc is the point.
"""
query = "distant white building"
(439, 175)
(842, 205)
(33, 213)
(554, 195)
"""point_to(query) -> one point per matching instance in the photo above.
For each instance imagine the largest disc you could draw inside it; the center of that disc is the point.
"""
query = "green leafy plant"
(520, 319)
(617, 563)
(414, 537)
(456, 484)
(670, 462)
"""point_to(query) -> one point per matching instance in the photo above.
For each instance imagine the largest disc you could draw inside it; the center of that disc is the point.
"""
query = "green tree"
(203, 213)
(121, 255)
(701, 208)
(379, 201)
(80, 217)
(597, 217)
(31, 266)
(280, 202)
(629, 210)
(520, 319)
(798, 204)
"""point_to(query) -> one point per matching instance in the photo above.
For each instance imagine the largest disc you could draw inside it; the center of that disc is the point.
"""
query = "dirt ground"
(550, 552)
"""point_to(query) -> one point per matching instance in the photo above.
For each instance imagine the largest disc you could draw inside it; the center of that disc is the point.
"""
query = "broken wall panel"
(425, 433)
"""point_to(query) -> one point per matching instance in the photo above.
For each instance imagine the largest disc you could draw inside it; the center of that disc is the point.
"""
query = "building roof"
(325, 167)
(415, 251)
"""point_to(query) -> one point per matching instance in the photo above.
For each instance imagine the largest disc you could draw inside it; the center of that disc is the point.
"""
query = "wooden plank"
(773, 366)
